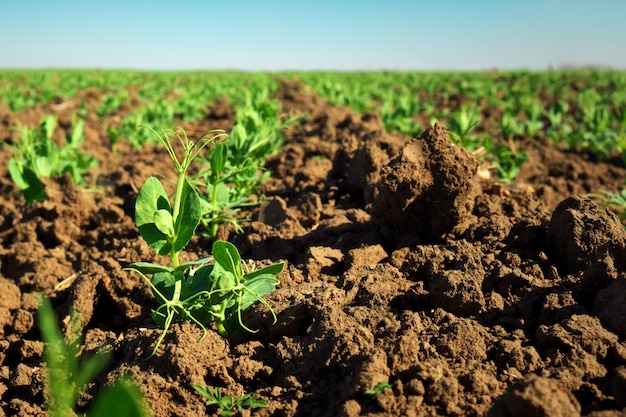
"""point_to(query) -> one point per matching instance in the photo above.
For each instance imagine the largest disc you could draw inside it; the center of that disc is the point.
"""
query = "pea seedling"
(211, 289)
(378, 389)
(229, 406)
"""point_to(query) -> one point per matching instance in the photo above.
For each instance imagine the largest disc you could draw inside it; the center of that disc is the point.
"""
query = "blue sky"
(319, 34)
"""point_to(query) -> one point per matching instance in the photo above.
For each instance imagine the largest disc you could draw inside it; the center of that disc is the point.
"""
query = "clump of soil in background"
(426, 190)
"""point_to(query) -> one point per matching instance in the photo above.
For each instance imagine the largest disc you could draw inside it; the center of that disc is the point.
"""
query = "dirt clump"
(426, 190)
(536, 397)
(579, 230)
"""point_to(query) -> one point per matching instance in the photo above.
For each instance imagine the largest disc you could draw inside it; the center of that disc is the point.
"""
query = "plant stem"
(213, 203)
(219, 325)
(176, 210)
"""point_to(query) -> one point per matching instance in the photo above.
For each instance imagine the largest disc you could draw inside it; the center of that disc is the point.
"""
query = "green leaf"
(164, 282)
(123, 399)
(219, 155)
(222, 197)
(42, 166)
(77, 136)
(47, 126)
(248, 401)
(227, 255)
(225, 281)
(188, 217)
(16, 174)
(259, 286)
(199, 261)
(149, 268)
(212, 398)
(35, 191)
(200, 281)
(238, 136)
(164, 222)
(378, 389)
(66, 374)
(273, 269)
(152, 198)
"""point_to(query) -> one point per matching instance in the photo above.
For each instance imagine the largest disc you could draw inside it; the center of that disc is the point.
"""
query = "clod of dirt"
(536, 396)
(610, 305)
(619, 385)
(457, 292)
(426, 190)
(579, 230)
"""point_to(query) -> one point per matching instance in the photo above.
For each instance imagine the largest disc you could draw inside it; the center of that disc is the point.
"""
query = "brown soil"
(403, 265)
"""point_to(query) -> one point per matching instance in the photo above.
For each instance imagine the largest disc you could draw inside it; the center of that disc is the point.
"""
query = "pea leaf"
(164, 222)
(227, 255)
(124, 399)
(273, 269)
(164, 282)
(199, 281)
(35, 191)
(152, 198)
(258, 286)
(218, 159)
(149, 268)
(188, 218)
(16, 174)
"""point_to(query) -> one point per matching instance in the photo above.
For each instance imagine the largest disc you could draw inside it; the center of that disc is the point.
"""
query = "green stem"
(213, 203)
(176, 210)
(178, 195)
(174, 257)
(219, 325)
(178, 285)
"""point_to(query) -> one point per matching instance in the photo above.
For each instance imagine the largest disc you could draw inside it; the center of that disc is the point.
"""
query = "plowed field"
(405, 263)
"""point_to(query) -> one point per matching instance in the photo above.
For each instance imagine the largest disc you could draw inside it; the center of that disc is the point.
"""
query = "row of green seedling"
(37, 156)
(590, 120)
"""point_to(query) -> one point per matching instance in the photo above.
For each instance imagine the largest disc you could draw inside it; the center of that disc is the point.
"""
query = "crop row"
(490, 110)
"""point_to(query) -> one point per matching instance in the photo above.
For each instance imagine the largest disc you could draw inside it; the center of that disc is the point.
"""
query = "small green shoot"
(614, 201)
(227, 405)
(378, 389)
(66, 375)
(123, 399)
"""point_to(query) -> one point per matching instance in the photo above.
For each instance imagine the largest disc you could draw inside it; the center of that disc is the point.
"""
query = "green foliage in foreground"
(66, 375)
(37, 156)
(227, 405)
(214, 289)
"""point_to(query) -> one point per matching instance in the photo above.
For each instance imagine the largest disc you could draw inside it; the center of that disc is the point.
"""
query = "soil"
(405, 264)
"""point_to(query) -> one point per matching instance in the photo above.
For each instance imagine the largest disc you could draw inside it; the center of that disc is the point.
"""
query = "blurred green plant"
(230, 175)
(37, 156)
(67, 374)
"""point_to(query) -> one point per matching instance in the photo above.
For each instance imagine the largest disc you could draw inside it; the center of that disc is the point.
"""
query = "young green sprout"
(212, 289)
(227, 404)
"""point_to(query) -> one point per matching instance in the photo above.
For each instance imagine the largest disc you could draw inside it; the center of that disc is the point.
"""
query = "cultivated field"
(361, 244)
